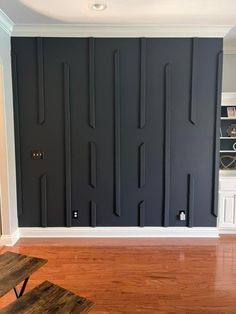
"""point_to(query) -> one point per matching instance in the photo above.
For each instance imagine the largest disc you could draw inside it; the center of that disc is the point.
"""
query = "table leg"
(22, 290)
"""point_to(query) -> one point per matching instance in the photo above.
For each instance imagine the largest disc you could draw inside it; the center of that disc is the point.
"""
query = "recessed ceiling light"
(98, 6)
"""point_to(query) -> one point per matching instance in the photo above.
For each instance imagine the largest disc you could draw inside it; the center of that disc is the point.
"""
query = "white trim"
(123, 232)
(119, 30)
(6, 23)
(229, 51)
(10, 240)
(227, 230)
(228, 98)
(110, 232)
(224, 173)
(8, 200)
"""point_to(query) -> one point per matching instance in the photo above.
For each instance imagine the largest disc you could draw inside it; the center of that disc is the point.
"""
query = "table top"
(14, 268)
(48, 298)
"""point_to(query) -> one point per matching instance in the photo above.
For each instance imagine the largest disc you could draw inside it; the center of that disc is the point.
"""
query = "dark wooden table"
(16, 268)
(48, 298)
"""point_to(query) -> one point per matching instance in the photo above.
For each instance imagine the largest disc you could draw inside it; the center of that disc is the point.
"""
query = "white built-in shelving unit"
(227, 178)
(228, 99)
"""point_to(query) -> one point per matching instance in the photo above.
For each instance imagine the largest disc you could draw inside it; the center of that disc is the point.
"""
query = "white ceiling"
(215, 12)
(176, 12)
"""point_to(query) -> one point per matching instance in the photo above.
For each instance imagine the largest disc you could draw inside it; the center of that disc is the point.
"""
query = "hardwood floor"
(140, 275)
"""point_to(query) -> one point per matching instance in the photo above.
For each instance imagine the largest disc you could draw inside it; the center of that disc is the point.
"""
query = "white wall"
(229, 73)
(7, 147)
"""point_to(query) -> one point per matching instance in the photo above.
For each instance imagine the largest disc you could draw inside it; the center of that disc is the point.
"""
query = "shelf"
(225, 105)
(227, 138)
(227, 151)
(228, 173)
(228, 99)
(228, 118)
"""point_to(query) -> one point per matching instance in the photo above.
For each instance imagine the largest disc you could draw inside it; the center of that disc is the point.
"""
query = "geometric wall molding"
(102, 171)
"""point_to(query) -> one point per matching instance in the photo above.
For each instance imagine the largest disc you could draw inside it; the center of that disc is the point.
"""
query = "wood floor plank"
(175, 275)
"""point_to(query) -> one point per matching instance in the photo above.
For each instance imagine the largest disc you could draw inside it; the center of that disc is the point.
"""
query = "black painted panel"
(129, 75)
(117, 132)
(142, 165)
(92, 103)
(93, 165)
(167, 104)
(127, 127)
(193, 101)
(43, 192)
(25, 51)
(142, 100)
(17, 133)
(67, 130)
(216, 160)
(74, 52)
(193, 145)
(142, 214)
(93, 208)
(191, 191)
(40, 73)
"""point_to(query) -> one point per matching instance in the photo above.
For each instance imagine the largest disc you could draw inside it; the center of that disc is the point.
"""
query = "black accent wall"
(124, 131)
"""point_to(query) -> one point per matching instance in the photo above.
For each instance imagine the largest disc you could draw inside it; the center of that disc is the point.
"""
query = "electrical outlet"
(182, 215)
(37, 154)
(75, 214)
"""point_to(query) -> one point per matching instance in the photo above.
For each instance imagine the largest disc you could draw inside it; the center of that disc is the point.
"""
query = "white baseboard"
(11, 239)
(227, 231)
(118, 232)
(111, 232)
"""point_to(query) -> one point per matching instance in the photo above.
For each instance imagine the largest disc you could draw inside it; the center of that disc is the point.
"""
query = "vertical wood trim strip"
(167, 143)
(93, 208)
(193, 101)
(40, 67)
(191, 191)
(142, 165)
(117, 132)
(43, 199)
(17, 134)
(142, 214)
(67, 142)
(142, 118)
(92, 109)
(217, 135)
(93, 162)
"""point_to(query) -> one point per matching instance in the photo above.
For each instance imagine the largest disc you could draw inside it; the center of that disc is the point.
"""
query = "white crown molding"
(118, 232)
(10, 240)
(6, 23)
(119, 30)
